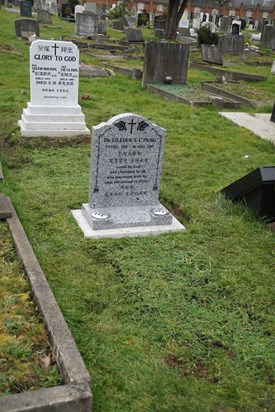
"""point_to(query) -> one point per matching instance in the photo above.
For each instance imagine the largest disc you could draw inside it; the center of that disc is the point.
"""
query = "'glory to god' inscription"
(54, 69)
(126, 162)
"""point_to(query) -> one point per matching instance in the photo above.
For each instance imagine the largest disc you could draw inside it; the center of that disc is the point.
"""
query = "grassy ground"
(178, 322)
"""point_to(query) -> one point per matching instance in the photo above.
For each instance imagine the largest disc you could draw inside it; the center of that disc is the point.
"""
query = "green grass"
(178, 322)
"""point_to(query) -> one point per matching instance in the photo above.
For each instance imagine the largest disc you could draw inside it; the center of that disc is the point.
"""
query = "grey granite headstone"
(27, 26)
(44, 17)
(225, 24)
(134, 36)
(118, 24)
(211, 54)
(126, 162)
(86, 24)
(231, 44)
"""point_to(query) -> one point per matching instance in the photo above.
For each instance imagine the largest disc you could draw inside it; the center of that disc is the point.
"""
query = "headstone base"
(126, 216)
(88, 232)
(52, 121)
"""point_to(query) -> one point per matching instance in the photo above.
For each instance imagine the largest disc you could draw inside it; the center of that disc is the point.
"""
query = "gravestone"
(272, 119)
(160, 22)
(44, 17)
(134, 35)
(131, 21)
(86, 24)
(211, 54)
(273, 68)
(236, 27)
(54, 75)
(225, 24)
(91, 7)
(165, 59)
(268, 35)
(231, 44)
(126, 163)
(67, 12)
(26, 8)
(143, 19)
(118, 24)
(26, 26)
(184, 24)
(78, 9)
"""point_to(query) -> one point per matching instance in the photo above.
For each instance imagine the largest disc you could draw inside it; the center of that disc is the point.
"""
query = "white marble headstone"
(54, 75)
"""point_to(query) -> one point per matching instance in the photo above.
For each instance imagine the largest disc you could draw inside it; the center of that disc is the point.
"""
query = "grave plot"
(240, 92)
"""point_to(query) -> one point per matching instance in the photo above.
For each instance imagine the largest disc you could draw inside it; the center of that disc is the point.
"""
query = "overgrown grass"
(178, 322)
(26, 361)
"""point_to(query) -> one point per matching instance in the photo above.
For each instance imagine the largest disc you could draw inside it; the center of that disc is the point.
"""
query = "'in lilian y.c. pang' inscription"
(126, 159)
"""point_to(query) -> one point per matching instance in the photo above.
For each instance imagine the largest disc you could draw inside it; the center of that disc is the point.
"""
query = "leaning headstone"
(126, 163)
(165, 59)
(211, 54)
(86, 24)
(268, 34)
(26, 8)
(26, 27)
(272, 119)
(143, 19)
(134, 36)
(44, 17)
(54, 75)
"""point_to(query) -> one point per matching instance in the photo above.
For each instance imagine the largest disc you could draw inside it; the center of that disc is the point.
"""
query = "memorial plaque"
(126, 163)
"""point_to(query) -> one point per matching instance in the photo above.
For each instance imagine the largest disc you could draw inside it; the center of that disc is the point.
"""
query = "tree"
(175, 12)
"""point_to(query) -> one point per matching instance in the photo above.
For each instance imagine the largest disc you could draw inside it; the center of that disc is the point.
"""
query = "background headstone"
(211, 54)
(26, 8)
(78, 9)
(67, 11)
(54, 74)
(126, 163)
(160, 22)
(231, 44)
(143, 19)
(236, 27)
(268, 35)
(134, 36)
(225, 24)
(165, 59)
(44, 17)
(86, 24)
(30, 26)
(273, 68)
(91, 7)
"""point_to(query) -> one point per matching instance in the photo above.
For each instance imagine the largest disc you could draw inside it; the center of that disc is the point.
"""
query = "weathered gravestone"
(54, 75)
(126, 162)
(26, 27)
(268, 36)
(231, 44)
(44, 17)
(86, 24)
(134, 35)
(165, 59)
(143, 19)
(225, 24)
(118, 24)
(91, 7)
(272, 119)
(26, 8)
(211, 54)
